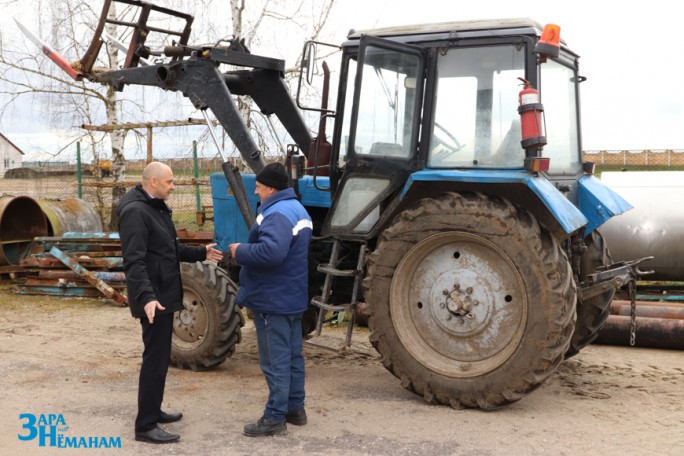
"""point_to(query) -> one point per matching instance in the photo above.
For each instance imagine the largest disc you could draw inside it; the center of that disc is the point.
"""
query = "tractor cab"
(442, 101)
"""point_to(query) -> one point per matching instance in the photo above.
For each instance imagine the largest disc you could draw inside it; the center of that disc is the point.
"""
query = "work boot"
(296, 417)
(265, 427)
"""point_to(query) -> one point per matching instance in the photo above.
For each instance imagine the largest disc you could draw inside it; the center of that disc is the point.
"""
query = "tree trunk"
(116, 136)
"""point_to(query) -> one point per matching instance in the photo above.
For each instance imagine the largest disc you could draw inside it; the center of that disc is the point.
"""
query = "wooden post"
(149, 144)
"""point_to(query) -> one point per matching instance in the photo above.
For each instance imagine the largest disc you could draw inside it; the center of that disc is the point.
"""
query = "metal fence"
(191, 201)
(662, 157)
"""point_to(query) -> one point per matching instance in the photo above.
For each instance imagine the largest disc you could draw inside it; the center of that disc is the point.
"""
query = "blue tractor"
(451, 201)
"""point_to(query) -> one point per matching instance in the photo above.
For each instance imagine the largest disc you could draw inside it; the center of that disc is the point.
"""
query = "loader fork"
(141, 30)
(332, 271)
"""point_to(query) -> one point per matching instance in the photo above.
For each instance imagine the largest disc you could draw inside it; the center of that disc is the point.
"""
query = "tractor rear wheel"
(472, 302)
(592, 313)
(207, 329)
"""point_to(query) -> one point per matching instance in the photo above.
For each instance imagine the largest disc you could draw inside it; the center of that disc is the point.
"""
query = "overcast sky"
(632, 54)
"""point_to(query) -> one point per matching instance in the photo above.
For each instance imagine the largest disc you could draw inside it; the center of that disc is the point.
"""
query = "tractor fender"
(532, 192)
(598, 202)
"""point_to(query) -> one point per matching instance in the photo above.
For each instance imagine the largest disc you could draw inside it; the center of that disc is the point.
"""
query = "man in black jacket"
(152, 255)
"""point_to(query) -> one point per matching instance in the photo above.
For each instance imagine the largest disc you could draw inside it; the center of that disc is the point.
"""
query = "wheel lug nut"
(469, 290)
(445, 292)
(457, 286)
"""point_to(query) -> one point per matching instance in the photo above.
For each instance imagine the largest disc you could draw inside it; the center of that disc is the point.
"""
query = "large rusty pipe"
(70, 215)
(21, 220)
(650, 332)
(625, 302)
(672, 311)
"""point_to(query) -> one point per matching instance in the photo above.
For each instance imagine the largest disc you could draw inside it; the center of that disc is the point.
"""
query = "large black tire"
(472, 302)
(207, 330)
(591, 313)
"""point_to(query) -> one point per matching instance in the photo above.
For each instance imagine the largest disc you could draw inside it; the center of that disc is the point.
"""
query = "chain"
(632, 313)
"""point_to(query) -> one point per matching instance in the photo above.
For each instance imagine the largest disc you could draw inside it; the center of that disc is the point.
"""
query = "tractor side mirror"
(309, 61)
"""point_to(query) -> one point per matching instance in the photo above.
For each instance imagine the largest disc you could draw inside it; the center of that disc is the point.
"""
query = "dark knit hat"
(273, 175)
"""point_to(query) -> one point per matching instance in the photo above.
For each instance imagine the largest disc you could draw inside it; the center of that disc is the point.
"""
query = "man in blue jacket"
(152, 255)
(274, 285)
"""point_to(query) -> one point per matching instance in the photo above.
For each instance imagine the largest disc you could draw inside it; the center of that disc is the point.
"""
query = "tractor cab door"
(379, 137)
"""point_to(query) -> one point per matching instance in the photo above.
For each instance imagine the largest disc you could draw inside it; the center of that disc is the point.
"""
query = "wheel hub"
(458, 302)
(185, 317)
(460, 311)
(190, 324)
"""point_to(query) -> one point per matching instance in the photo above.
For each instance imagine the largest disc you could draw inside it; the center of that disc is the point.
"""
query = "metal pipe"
(21, 220)
(650, 332)
(671, 312)
(213, 134)
(105, 276)
(71, 214)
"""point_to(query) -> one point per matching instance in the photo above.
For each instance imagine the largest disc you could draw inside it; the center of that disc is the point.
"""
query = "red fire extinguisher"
(531, 124)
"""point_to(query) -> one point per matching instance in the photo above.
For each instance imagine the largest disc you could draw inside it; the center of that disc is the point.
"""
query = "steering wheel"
(448, 142)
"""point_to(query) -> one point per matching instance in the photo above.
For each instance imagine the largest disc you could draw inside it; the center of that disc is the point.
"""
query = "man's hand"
(233, 248)
(213, 254)
(151, 308)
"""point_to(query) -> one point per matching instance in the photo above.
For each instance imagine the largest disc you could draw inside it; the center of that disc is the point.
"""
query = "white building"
(10, 155)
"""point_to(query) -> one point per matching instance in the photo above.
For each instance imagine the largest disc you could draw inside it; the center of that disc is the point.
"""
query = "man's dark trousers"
(155, 364)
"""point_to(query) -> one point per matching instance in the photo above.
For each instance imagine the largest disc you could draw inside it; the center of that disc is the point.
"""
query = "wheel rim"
(458, 304)
(191, 324)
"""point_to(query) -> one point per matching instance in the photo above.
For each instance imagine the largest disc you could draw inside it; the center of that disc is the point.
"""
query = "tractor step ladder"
(331, 271)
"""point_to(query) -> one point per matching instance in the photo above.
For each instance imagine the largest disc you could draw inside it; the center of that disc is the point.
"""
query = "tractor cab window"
(346, 118)
(387, 104)
(476, 121)
(559, 97)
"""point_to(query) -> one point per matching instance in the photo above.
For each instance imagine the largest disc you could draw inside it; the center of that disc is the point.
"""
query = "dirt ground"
(78, 359)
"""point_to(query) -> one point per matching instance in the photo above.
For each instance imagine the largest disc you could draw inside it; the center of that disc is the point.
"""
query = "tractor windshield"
(475, 119)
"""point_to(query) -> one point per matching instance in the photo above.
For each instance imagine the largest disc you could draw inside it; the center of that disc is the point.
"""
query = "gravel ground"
(78, 359)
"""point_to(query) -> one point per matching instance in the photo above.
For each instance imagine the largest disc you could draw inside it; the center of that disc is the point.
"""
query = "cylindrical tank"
(654, 227)
(21, 220)
(71, 214)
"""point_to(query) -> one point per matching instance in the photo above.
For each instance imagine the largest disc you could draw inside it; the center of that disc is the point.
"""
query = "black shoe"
(169, 417)
(265, 427)
(296, 417)
(156, 435)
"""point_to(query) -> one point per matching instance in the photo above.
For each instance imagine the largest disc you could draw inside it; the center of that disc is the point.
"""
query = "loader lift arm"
(194, 71)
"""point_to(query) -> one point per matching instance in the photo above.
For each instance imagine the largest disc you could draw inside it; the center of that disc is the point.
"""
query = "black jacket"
(152, 253)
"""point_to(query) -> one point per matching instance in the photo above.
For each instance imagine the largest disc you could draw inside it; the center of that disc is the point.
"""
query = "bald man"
(152, 255)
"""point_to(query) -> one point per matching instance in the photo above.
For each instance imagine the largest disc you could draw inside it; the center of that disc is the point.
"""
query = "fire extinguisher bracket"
(537, 141)
(530, 107)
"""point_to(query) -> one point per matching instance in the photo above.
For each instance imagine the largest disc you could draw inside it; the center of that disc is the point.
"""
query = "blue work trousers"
(280, 357)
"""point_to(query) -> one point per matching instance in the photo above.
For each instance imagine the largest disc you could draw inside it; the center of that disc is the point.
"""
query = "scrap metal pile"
(58, 248)
(76, 264)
